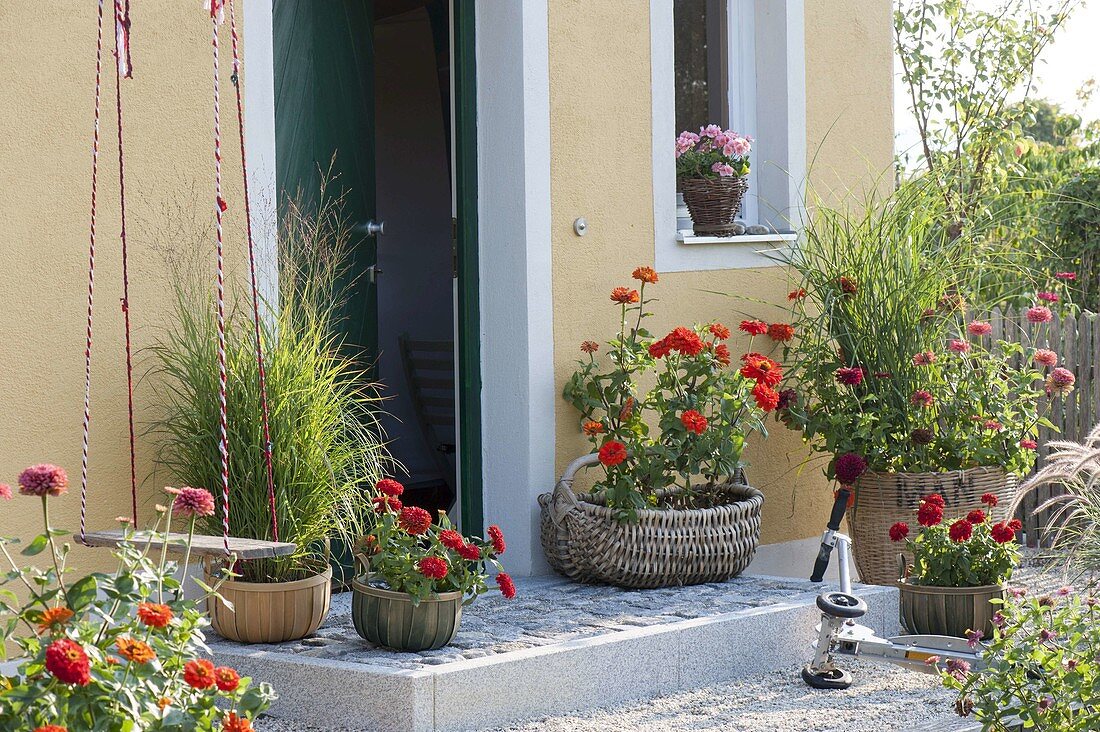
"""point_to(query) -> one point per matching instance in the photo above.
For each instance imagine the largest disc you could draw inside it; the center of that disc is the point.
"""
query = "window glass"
(699, 50)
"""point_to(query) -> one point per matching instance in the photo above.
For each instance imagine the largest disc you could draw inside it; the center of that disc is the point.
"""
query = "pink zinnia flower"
(958, 346)
(1047, 296)
(1046, 357)
(1029, 444)
(979, 328)
(1060, 381)
(993, 425)
(193, 503)
(974, 637)
(5, 491)
(1039, 314)
(43, 480)
(924, 358)
(1066, 276)
(921, 398)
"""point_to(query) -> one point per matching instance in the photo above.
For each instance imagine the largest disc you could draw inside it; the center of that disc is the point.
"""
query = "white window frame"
(766, 91)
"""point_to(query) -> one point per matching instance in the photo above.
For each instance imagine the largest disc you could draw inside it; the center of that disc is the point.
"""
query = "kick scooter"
(840, 635)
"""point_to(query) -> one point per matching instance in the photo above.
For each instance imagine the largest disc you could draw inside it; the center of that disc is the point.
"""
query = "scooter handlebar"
(840, 505)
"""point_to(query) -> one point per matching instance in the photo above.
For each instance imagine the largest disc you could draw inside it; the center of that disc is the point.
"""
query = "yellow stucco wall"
(600, 116)
(46, 103)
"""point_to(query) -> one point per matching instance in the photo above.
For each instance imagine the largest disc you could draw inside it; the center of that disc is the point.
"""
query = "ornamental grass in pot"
(712, 170)
(957, 570)
(667, 419)
(890, 378)
(326, 442)
(414, 575)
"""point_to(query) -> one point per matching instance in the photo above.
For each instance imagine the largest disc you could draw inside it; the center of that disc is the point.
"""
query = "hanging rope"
(91, 284)
(219, 209)
(122, 69)
(260, 365)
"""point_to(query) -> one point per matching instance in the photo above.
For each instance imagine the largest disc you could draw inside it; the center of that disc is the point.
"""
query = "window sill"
(687, 237)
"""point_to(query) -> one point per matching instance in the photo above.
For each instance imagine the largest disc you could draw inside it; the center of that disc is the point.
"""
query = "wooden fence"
(1076, 340)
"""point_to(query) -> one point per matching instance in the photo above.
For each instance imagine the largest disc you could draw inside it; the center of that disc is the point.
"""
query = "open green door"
(324, 112)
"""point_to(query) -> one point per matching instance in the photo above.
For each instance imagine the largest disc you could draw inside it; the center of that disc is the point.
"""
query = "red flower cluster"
(848, 467)
(51, 728)
(382, 504)
(761, 369)
(414, 520)
(43, 480)
(681, 339)
(451, 539)
(990, 499)
(930, 512)
(848, 285)
(612, 453)
(1039, 314)
(432, 567)
(921, 398)
(694, 422)
(232, 723)
(1029, 444)
(590, 346)
(899, 531)
(961, 530)
(592, 428)
(624, 296)
(67, 661)
(1002, 533)
(924, 358)
(199, 673)
(470, 552)
(719, 331)
(507, 586)
(722, 354)
(780, 332)
(976, 516)
(849, 376)
(753, 327)
(766, 397)
(390, 487)
(496, 536)
(226, 678)
(796, 294)
(645, 274)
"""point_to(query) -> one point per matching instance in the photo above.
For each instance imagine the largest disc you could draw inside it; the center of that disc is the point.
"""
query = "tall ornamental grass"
(328, 446)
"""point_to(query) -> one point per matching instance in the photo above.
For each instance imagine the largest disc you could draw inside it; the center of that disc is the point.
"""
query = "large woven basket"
(584, 541)
(883, 499)
(713, 203)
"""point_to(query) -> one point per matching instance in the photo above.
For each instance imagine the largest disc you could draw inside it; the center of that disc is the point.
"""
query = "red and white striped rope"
(219, 207)
(91, 284)
(261, 366)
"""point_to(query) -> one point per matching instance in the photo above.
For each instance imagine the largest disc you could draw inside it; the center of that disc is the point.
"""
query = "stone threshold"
(563, 647)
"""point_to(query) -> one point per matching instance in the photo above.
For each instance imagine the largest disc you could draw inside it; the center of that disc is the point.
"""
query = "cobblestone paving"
(546, 611)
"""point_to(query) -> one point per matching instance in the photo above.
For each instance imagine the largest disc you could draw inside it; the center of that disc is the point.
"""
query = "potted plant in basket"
(957, 569)
(891, 380)
(326, 443)
(711, 171)
(670, 505)
(415, 576)
(111, 650)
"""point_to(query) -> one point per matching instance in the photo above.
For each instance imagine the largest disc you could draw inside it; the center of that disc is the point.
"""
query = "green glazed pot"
(388, 618)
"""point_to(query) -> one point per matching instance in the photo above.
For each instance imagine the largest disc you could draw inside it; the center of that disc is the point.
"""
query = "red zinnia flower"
(694, 422)
(787, 398)
(719, 331)
(232, 723)
(899, 531)
(766, 397)
(848, 285)
(612, 453)
(849, 376)
(761, 369)
(51, 728)
(497, 537)
(924, 358)
(660, 349)
(685, 340)
(624, 295)
(593, 428)
(848, 467)
(958, 346)
(414, 520)
(451, 539)
(199, 673)
(753, 327)
(470, 552)
(1039, 314)
(1066, 276)
(722, 354)
(990, 499)
(961, 530)
(67, 661)
(382, 504)
(226, 678)
(1016, 525)
(645, 274)
(929, 514)
(507, 586)
(993, 425)
(1029, 444)
(780, 332)
(979, 328)
(590, 346)
(432, 567)
(1047, 296)
(627, 409)
(976, 516)
(390, 487)
(1002, 533)
(935, 498)
(43, 480)
(921, 398)
(796, 294)
(154, 615)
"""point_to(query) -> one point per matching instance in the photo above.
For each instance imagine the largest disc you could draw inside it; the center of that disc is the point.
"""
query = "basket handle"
(563, 500)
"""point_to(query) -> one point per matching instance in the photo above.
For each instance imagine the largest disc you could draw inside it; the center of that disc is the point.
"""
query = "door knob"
(372, 228)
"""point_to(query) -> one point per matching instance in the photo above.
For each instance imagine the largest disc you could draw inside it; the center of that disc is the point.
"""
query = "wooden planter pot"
(388, 618)
(713, 203)
(271, 612)
(883, 499)
(948, 610)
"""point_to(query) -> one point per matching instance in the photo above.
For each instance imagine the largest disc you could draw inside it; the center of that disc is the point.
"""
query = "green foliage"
(326, 442)
(941, 561)
(688, 370)
(98, 612)
(1041, 667)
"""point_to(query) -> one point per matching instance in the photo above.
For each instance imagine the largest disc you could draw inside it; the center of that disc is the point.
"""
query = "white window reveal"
(740, 64)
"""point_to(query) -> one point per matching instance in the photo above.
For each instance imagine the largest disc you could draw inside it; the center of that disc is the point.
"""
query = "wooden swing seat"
(201, 546)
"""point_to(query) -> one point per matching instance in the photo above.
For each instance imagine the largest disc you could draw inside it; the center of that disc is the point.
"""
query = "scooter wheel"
(838, 678)
(841, 605)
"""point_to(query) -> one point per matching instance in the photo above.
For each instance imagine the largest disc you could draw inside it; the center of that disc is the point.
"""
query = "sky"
(1072, 59)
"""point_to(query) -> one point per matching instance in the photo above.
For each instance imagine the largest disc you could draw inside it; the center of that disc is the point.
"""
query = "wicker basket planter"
(584, 541)
(271, 612)
(948, 610)
(713, 203)
(388, 618)
(883, 499)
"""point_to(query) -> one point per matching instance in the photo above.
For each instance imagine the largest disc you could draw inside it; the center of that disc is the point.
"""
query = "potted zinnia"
(667, 419)
(957, 568)
(112, 650)
(414, 575)
(712, 170)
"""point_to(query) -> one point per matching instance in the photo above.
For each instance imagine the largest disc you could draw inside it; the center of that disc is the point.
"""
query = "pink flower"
(685, 142)
(1046, 357)
(1065, 276)
(5, 491)
(958, 346)
(43, 480)
(924, 358)
(979, 328)
(921, 398)
(1039, 314)
(736, 147)
(722, 169)
(1060, 381)
(1047, 296)
(193, 503)
(1029, 444)
(993, 425)
(711, 131)
(973, 638)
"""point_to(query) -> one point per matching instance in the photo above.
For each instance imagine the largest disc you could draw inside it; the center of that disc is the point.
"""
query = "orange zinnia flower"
(134, 650)
(154, 615)
(624, 295)
(590, 346)
(54, 617)
(593, 428)
(199, 673)
(645, 274)
(232, 723)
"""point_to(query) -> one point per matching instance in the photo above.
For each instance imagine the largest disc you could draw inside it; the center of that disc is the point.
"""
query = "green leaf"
(35, 547)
